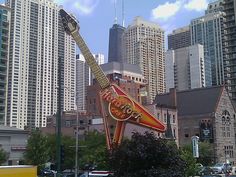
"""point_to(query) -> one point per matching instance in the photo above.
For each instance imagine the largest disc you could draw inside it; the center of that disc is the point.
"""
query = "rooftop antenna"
(123, 13)
(115, 12)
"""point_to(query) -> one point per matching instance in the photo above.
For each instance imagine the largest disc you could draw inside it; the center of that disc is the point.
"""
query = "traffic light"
(62, 154)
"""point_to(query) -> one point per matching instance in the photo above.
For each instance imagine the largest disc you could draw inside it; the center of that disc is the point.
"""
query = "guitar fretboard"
(95, 68)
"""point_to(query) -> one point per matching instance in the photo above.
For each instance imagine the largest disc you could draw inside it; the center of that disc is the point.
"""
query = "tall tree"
(69, 147)
(3, 156)
(206, 153)
(36, 150)
(191, 162)
(92, 150)
(147, 156)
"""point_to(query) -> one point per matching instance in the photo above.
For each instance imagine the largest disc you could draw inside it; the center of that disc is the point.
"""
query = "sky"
(97, 16)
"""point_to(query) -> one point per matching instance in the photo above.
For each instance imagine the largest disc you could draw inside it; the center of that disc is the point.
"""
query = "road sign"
(195, 146)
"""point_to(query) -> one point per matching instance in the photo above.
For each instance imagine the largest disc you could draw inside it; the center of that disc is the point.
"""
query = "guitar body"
(118, 108)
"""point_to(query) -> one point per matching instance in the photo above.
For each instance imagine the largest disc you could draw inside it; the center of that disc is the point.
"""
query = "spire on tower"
(123, 13)
(115, 21)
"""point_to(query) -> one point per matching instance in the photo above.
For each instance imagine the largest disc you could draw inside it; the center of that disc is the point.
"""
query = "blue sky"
(97, 16)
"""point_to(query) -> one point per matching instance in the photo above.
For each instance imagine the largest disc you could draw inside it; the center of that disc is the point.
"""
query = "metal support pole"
(77, 142)
(58, 125)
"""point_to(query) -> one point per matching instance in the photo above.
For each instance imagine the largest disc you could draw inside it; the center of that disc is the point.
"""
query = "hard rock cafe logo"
(120, 107)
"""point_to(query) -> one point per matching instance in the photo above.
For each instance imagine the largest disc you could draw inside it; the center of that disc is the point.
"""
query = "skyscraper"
(184, 68)
(37, 43)
(230, 50)
(4, 39)
(208, 30)
(116, 50)
(144, 46)
(179, 38)
(84, 78)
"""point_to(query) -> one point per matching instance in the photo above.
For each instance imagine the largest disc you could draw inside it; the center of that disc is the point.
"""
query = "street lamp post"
(76, 141)
(76, 138)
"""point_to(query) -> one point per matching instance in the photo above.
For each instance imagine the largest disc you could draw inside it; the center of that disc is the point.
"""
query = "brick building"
(86, 123)
(167, 113)
(127, 76)
(69, 121)
(207, 113)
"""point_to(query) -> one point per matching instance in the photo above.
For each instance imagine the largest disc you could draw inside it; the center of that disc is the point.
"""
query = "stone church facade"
(207, 113)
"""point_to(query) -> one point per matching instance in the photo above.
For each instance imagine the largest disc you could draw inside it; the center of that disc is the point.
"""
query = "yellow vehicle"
(18, 171)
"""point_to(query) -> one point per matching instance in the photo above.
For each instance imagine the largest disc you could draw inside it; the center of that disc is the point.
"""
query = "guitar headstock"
(70, 24)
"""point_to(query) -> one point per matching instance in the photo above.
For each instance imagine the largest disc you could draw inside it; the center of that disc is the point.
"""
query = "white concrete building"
(144, 46)
(37, 41)
(185, 68)
(13, 141)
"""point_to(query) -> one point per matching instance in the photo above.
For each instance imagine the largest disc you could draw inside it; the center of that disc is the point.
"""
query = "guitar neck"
(95, 68)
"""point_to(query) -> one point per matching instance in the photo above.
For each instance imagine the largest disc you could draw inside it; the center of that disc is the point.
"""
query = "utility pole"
(77, 141)
(58, 125)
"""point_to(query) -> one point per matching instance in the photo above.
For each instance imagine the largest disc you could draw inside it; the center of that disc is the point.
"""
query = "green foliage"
(69, 146)
(41, 149)
(3, 156)
(191, 162)
(205, 157)
(147, 156)
(92, 150)
(51, 144)
(206, 153)
(36, 149)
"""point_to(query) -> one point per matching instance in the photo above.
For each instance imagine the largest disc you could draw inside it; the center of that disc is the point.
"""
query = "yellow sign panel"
(18, 171)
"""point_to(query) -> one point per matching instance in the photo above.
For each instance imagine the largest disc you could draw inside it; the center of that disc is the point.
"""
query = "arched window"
(226, 121)
(225, 117)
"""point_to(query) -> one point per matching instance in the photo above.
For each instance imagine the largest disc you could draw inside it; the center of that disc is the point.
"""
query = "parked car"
(233, 170)
(68, 174)
(46, 172)
(221, 168)
(205, 171)
(97, 174)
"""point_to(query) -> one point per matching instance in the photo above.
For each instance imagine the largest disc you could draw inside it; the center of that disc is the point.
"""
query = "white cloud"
(197, 5)
(86, 7)
(167, 10)
(83, 7)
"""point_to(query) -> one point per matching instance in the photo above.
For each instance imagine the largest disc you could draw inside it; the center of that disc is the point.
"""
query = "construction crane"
(118, 107)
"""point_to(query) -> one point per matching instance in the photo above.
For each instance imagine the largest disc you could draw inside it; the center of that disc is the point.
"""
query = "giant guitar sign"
(118, 108)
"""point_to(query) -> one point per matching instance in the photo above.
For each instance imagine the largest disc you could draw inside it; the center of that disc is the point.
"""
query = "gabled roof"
(198, 101)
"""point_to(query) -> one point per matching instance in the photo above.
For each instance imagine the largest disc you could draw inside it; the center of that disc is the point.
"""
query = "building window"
(226, 122)
(67, 123)
(229, 153)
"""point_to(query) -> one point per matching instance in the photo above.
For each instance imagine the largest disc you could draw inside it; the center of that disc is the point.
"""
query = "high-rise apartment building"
(84, 78)
(179, 38)
(4, 39)
(230, 42)
(38, 44)
(100, 58)
(208, 30)
(116, 50)
(184, 68)
(144, 46)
